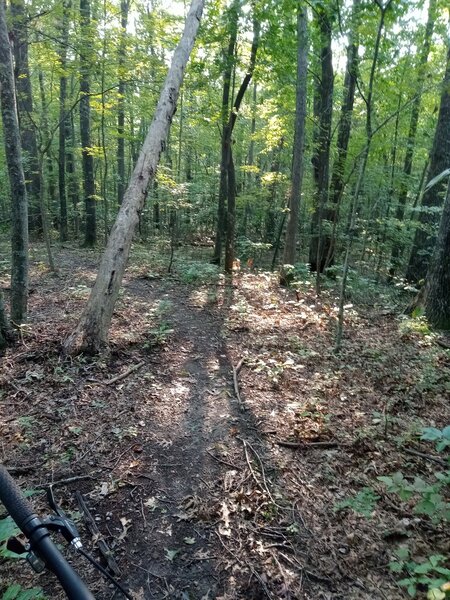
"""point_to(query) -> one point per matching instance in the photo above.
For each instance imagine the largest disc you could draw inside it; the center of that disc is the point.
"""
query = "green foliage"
(198, 273)
(158, 336)
(16, 592)
(441, 437)
(363, 503)
(430, 573)
(415, 324)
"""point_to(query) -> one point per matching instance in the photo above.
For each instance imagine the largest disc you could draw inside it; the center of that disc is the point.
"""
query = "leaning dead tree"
(91, 333)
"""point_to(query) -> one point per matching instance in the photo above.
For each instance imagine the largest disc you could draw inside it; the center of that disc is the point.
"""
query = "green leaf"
(170, 554)
(423, 568)
(412, 590)
(435, 594)
(8, 529)
(431, 434)
(396, 567)
(12, 592)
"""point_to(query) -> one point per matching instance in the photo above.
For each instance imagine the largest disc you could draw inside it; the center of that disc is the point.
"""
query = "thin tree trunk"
(231, 174)
(63, 123)
(290, 245)
(124, 8)
(398, 247)
(425, 236)
(90, 236)
(223, 185)
(5, 332)
(19, 208)
(91, 334)
(24, 99)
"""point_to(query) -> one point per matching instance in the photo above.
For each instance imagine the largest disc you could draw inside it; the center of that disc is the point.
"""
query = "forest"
(225, 296)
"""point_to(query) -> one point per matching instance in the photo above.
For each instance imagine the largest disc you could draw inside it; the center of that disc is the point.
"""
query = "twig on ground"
(434, 459)
(263, 474)
(96, 534)
(223, 462)
(124, 374)
(287, 444)
(64, 481)
(236, 370)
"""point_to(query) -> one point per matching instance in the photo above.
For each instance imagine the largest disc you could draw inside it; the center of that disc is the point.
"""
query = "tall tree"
(437, 292)
(397, 249)
(229, 58)
(425, 236)
(91, 334)
(90, 233)
(25, 110)
(64, 122)
(343, 137)
(290, 246)
(124, 8)
(228, 134)
(19, 208)
(323, 113)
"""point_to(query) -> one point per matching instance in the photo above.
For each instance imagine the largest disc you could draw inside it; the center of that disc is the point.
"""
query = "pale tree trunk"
(63, 123)
(19, 209)
(437, 292)
(290, 246)
(91, 334)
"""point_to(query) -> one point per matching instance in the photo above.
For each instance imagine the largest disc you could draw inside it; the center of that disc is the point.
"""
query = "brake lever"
(61, 522)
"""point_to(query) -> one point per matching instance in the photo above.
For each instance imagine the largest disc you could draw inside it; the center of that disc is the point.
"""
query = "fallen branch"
(223, 462)
(64, 481)
(125, 374)
(429, 457)
(306, 445)
(236, 383)
(97, 536)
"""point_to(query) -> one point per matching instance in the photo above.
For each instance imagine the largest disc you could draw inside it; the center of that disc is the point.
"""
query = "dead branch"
(125, 374)
(64, 481)
(306, 445)
(236, 383)
(429, 457)
(223, 462)
(97, 536)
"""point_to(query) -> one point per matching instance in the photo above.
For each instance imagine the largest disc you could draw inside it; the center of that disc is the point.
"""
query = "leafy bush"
(363, 503)
(198, 273)
(431, 573)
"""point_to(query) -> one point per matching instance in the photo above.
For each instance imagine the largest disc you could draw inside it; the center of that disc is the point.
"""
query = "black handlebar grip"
(12, 497)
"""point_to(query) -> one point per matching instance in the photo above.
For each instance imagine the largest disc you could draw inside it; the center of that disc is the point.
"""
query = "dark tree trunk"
(25, 111)
(224, 146)
(290, 247)
(321, 160)
(64, 124)
(73, 188)
(231, 175)
(437, 293)
(425, 236)
(124, 8)
(90, 235)
(343, 138)
(19, 209)
(397, 249)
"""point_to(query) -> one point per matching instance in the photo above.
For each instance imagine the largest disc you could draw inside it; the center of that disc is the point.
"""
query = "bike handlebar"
(23, 514)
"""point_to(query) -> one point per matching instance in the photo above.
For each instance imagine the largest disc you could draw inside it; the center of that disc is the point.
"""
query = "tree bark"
(90, 235)
(437, 292)
(321, 159)
(124, 8)
(228, 132)
(290, 246)
(398, 247)
(63, 124)
(223, 185)
(425, 236)
(19, 208)
(343, 138)
(24, 99)
(91, 334)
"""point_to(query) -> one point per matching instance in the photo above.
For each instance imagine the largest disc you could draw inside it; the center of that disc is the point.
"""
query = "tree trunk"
(231, 174)
(63, 123)
(437, 292)
(343, 138)
(397, 249)
(124, 8)
(4, 324)
(90, 235)
(24, 99)
(425, 236)
(290, 246)
(223, 185)
(19, 209)
(91, 334)
(321, 160)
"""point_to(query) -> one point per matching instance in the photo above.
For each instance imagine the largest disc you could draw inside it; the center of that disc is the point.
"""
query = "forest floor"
(223, 448)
